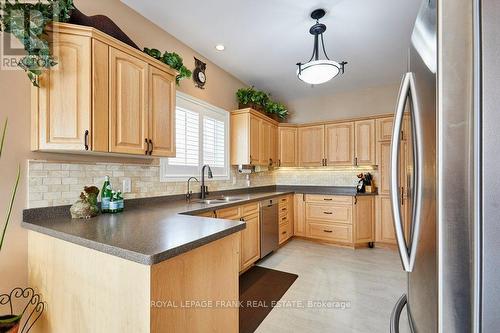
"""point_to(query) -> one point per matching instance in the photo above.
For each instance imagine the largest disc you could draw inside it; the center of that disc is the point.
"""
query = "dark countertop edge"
(125, 254)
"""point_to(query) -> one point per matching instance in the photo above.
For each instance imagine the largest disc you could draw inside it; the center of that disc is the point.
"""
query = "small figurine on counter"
(86, 206)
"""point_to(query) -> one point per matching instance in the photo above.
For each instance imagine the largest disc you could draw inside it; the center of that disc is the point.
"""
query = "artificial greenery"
(173, 60)
(258, 99)
(27, 21)
(14, 191)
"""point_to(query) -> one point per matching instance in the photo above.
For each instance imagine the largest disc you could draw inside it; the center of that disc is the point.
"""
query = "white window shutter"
(187, 138)
(213, 142)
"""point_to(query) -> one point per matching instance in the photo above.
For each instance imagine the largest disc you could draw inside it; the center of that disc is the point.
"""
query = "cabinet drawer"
(249, 209)
(333, 232)
(283, 211)
(207, 214)
(284, 233)
(329, 213)
(340, 199)
(232, 213)
(283, 219)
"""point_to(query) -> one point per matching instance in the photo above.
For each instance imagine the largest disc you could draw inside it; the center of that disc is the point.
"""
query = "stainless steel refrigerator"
(452, 93)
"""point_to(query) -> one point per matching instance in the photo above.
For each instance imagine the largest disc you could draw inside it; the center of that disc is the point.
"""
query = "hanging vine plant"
(27, 22)
(173, 60)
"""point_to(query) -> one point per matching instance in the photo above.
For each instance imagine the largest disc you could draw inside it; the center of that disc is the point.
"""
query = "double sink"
(219, 200)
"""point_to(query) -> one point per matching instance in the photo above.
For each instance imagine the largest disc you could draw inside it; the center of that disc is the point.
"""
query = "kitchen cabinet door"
(384, 128)
(265, 143)
(311, 145)
(364, 209)
(63, 109)
(384, 161)
(129, 103)
(299, 216)
(384, 221)
(287, 146)
(339, 144)
(255, 140)
(250, 241)
(161, 112)
(274, 146)
(364, 142)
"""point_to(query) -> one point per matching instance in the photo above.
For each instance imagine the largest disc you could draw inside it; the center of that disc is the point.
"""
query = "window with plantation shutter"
(201, 138)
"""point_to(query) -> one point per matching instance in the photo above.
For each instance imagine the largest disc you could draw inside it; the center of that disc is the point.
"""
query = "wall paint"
(373, 101)
(15, 97)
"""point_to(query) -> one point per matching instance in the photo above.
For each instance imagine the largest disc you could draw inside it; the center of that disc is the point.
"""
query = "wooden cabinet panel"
(299, 220)
(207, 214)
(365, 142)
(249, 209)
(311, 145)
(328, 213)
(129, 106)
(287, 146)
(161, 112)
(384, 128)
(339, 199)
(250, 241)
(274, 146)
(364, 220)
(339, 144)
(100, 96)
(384, 167)
(231, 213)
(255, 138)
(333, 232)
(283, 233)
(64, 97)
(265, 143)
(384, 220)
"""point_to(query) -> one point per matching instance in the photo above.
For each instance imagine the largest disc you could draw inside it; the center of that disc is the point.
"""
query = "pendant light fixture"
(316, 70)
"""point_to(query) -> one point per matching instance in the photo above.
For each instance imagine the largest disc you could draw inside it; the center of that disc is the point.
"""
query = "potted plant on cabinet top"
(11, 322)
(261, 101)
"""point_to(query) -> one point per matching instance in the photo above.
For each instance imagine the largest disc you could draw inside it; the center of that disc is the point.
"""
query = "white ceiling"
(265, 39)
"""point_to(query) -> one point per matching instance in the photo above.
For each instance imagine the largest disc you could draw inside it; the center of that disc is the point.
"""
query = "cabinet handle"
(283, 218)
(326, 162)
(279, 162)
(151, 149)
(86, 140)
(147, 147)
(327, 199)
(402, 196)
(328, 231)
(355, 199)
(328, 213)
(242, 219)
(270, 162)
(284, 232)
(356, 161)
(283, 209)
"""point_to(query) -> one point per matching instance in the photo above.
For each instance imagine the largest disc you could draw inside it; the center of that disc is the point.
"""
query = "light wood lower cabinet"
(299, 216)
(286, 218)
(345, 220)
(250, 236)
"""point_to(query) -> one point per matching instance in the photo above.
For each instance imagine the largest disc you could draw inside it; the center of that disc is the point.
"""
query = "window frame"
(173, 173)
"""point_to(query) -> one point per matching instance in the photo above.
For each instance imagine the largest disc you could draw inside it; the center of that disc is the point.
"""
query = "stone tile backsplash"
(60, 183)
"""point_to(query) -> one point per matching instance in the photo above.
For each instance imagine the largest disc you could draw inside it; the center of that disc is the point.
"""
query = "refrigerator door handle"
(407, 253)
(395, 145)
(396, 314)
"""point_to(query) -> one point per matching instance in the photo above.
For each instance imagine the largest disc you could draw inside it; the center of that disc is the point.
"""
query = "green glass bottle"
(106, 194)
(120, 201)
(113, 203)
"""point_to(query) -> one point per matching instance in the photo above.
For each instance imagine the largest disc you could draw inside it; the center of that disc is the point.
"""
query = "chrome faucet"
(204, 189)
(189, 193)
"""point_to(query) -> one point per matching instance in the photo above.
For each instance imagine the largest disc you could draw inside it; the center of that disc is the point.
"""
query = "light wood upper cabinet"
(384, 128)
(161, 115)
(287, 146)
(129, 82)
(62, 113)
(365, 142)
(253, 138)
(102, 96)
(339, 144)
(265, 143)
(311, 145)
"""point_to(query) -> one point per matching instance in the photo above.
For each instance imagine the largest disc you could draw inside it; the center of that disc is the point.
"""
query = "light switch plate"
(126, 185)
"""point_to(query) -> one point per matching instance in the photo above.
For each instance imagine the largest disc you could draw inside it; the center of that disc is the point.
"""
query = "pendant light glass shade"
(318, 71)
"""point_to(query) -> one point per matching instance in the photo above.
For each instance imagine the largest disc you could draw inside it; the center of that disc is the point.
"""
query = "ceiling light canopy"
(220, 47)
(316, 70)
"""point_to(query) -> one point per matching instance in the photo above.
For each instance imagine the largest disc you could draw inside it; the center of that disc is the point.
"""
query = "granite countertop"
(156, 229)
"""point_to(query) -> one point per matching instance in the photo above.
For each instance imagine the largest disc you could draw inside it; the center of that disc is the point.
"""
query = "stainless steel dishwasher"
(269, 226)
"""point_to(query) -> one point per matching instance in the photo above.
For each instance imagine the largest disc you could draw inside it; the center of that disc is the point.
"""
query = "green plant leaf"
(11, 205)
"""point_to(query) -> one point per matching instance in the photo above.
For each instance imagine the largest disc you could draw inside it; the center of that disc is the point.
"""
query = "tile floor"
(370, 280)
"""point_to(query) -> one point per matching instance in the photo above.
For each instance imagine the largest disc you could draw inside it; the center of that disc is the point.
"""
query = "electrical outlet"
(126, 185)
